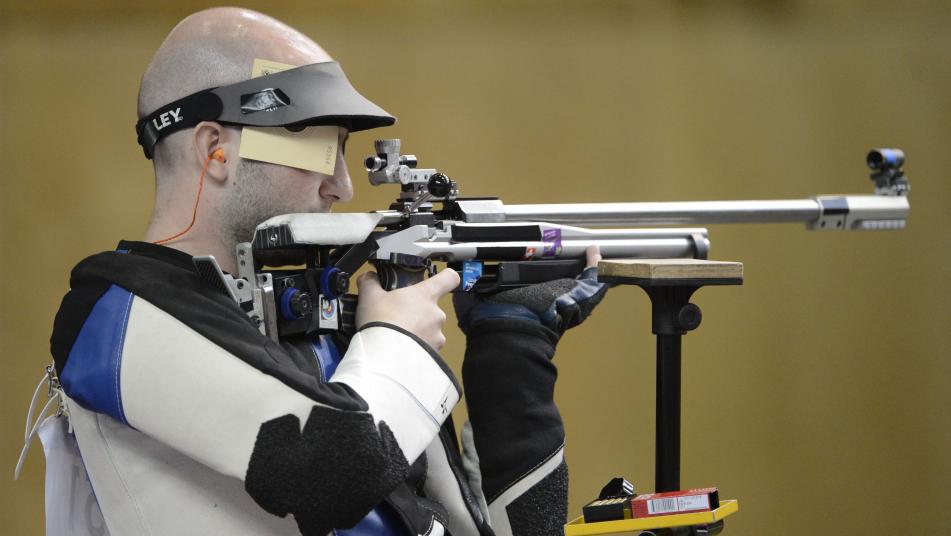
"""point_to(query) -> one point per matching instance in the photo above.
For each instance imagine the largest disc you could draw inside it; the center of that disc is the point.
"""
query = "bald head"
(216, 47)
(213, 48)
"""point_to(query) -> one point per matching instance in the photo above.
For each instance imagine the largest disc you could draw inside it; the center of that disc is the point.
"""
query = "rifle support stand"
(670, 283)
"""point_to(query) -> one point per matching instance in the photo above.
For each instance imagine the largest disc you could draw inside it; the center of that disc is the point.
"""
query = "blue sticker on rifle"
(552, 242)
(471, 273)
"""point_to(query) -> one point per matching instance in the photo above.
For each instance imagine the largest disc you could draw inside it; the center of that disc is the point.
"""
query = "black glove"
(558, 305)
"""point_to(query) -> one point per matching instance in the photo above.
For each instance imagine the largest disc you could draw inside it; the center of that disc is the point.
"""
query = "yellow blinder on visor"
(311, 148)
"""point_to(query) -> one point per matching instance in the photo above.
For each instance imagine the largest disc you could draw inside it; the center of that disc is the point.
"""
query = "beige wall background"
(816, 393)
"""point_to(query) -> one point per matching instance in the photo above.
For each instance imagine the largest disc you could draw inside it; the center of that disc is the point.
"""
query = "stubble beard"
(256, 197)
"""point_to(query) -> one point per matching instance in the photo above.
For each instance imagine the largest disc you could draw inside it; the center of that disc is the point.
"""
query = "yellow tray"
(578, 527)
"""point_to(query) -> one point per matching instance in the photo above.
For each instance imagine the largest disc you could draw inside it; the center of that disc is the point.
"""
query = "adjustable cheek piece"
(316, 94)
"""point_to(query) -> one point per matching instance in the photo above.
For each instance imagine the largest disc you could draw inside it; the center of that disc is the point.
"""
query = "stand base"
(578, 527)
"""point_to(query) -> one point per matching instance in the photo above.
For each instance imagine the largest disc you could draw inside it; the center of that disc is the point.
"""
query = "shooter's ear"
(213, 141)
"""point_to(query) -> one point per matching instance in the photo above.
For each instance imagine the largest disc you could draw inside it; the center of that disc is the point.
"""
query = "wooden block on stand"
(657, 272)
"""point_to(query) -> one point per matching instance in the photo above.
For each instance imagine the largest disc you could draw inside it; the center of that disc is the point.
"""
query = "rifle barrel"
(671, 213)
(824, 212)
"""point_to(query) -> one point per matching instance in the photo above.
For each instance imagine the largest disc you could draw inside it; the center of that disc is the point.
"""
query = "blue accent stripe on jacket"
(91, 374)
(327, 355)
(379, 522)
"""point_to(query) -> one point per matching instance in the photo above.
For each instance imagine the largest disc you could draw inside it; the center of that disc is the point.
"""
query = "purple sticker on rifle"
(552, 241)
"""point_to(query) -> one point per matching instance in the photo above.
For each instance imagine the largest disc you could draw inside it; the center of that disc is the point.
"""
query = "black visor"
(316, 94)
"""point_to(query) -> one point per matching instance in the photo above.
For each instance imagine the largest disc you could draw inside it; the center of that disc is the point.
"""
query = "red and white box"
(675, 502)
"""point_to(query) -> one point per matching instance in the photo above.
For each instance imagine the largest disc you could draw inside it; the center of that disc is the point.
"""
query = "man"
(189, 421)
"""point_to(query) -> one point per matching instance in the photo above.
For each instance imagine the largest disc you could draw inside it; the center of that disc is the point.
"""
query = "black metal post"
(672, 315)
(667, 441)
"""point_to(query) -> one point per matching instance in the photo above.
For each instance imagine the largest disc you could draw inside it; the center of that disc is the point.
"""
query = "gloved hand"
(558, 305)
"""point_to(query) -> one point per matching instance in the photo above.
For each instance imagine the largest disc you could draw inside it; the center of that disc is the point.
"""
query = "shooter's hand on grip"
(414, 308)
(559, 304)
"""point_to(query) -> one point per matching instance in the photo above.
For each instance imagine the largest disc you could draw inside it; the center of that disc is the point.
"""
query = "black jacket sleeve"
(518, 435)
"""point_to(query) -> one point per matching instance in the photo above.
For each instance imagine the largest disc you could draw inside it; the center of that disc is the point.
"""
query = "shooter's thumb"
(443, 283)
(368, 284)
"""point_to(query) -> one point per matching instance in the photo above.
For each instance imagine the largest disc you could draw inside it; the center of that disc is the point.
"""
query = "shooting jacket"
(189, 421)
